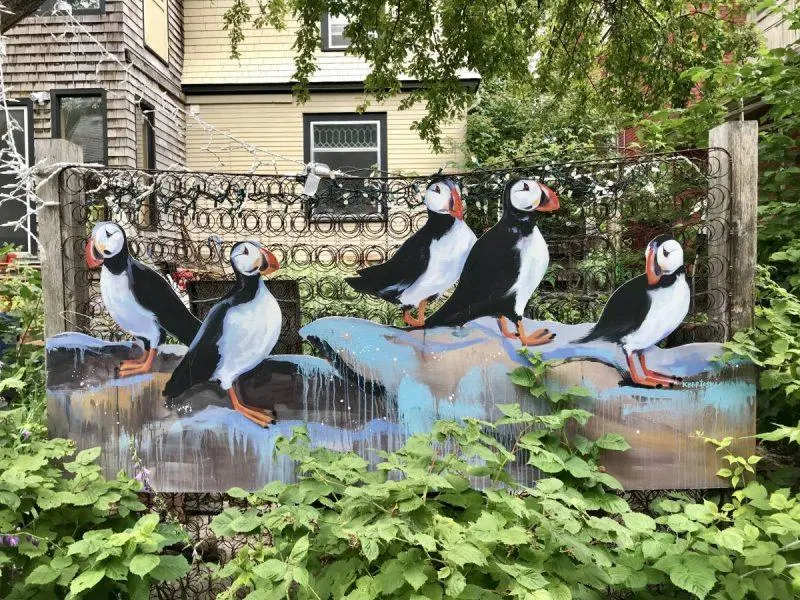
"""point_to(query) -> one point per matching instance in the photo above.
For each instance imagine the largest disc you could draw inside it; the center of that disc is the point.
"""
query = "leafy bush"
(417, 526)
(66, 531)
(774, 345)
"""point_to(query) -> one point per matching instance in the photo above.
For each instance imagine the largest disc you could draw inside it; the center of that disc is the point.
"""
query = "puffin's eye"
(666, 252)
(110, 233)
(525, 187)
(245, 252)
(437, 190)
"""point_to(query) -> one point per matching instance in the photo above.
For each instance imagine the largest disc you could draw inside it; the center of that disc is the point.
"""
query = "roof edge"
(200, 89)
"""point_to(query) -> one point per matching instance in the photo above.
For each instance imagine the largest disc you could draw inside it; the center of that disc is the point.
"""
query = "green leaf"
(41, 575)
(693, 578)
(170, 568)
(299, 550)
(86, 580)
(639, 522)
(731, 539)
(271, 570)
(86, 457)
(415, 574)
(463, 553)
(142, 564)
(612, 441)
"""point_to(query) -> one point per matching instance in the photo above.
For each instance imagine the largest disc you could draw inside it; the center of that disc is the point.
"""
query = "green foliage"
(65, 532)
(417, 527)
(626, 55)
(774, 345)
(773, 77)
(22, 332)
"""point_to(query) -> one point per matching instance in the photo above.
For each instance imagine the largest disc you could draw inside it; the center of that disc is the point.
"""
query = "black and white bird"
(429, 262)
(646, 309)
(505, 266)
(239, 332)
(140, 300)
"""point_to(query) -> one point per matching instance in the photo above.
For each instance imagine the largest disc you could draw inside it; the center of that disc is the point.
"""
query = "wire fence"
(185, 224)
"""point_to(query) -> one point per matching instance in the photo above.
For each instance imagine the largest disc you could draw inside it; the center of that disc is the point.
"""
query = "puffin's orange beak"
(456, 204)
(651, 266)
(93, 258)
(550, 202)
(269, 264)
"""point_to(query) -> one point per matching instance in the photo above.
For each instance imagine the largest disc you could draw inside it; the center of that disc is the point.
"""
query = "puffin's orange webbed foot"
(410, 320)
(667, 379)
(506, 330)
(644, 379)
(260, 416)
(537, 338)
(138, 367)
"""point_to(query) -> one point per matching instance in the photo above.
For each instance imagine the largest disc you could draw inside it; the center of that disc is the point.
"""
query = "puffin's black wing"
(200, 362)
(390, 279)
(155, 294)
(624, 312)
(491, 269)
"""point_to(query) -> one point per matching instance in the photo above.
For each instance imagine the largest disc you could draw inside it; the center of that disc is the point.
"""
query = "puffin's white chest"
(447, 257)
(533, 260)
(249, 333)
(121, 304)
(668, 308)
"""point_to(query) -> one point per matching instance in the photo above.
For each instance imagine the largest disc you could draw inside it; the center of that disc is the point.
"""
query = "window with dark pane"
(146, 160)
(81, 119)
(16, 150)
(354, 145)
(333, 37)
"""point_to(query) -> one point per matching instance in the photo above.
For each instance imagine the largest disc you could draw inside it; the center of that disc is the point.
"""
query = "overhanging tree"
(626, 53)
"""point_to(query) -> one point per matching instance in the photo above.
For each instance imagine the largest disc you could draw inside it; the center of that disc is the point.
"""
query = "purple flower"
(12, 540)
(143, 475)
(25, 434)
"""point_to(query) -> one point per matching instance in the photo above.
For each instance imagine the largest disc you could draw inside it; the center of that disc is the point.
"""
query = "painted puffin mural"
(140, 301)
(505, 266)
(646, 309)
(239, 332)
(429, 262)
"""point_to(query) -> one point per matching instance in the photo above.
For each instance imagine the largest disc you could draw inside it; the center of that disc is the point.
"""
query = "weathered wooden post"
(57, 270)
(732, 219)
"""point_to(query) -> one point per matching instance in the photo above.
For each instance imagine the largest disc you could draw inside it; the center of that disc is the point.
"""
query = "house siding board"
(37, 61)
(776, 30)
(267, 54)
(275, 123)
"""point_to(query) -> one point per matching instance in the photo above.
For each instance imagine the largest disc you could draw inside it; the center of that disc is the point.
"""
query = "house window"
(145, 137)
(79, 7)
(80, 117)
(356, 145)
(333, 37)
(156, 28)
(146, 159)
(20, 119)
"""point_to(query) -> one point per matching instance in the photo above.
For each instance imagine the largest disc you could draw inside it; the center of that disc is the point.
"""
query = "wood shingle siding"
(274, 122)
(43, 54)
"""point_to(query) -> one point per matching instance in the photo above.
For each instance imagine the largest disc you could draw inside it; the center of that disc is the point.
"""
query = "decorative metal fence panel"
(180, 221)
(344, 363)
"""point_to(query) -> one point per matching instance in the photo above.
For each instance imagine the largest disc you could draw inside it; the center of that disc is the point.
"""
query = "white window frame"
(27, 116)
(328, 45)
(377, 148)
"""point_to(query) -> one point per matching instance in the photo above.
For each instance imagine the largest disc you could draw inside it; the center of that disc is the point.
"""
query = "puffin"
(505, 266)
(238, 333)
(646, 309)
(429, 262)
(140, 300)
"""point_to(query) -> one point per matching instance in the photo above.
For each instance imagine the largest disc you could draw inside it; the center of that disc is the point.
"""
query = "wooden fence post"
(732, 215)
(56, 268)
